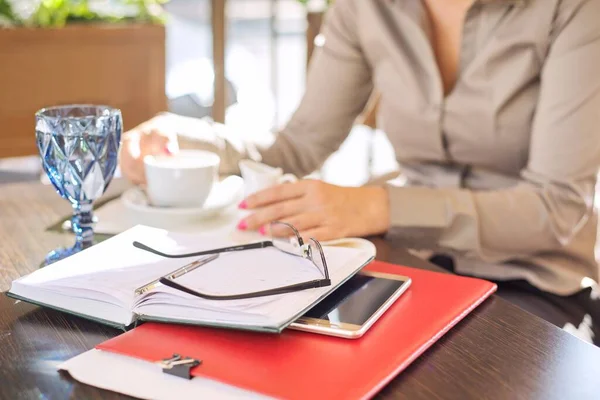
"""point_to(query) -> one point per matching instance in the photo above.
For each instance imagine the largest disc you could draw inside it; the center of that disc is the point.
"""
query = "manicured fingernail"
(262, 230)
(243, 205)
(242, 226)
(168, 151)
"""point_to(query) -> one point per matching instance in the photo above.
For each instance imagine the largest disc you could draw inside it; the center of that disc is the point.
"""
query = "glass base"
(60, 254)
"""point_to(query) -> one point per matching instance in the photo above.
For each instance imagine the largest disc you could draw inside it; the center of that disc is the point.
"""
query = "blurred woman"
(493, 109)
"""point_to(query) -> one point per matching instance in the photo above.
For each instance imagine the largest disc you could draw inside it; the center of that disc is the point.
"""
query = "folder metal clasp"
(179, 366)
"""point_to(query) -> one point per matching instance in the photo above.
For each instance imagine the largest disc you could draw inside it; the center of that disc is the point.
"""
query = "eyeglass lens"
(287, 239)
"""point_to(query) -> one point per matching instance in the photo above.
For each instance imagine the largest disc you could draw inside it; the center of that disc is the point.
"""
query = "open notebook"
(100, 283)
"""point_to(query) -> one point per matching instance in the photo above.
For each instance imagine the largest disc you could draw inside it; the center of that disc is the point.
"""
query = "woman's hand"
(320, 210)
(150, 138)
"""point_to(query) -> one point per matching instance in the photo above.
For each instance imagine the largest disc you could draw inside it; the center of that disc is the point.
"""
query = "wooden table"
(497, 352)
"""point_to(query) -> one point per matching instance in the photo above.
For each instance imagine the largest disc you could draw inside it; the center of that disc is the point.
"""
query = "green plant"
(306, 2)
(58, 13)
(143, 7)
(6, 11)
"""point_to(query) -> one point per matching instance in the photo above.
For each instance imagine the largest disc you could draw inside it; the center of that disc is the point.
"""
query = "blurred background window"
(265, 57)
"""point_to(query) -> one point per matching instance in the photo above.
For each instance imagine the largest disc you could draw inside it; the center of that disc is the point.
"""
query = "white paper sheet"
(144, 380)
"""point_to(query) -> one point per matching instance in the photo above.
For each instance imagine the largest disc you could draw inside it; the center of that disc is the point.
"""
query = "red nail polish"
(242, 226)
(262, 230)
(243, 205)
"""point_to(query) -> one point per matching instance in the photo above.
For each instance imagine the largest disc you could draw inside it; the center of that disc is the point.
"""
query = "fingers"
(130, 160)
(322, 234)
(153, 142)
(275, 212)
(275, 194)
(307, 225)
(301, 222)
(133, 173)
(150, 124)
(144, 140)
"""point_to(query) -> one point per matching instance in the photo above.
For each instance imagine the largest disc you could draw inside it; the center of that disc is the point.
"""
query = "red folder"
(299, 365)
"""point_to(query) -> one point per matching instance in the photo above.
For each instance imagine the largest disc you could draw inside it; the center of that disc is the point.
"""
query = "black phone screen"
(356, 300)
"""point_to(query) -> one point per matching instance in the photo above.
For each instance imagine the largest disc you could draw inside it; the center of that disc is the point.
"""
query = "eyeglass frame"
(307, 253)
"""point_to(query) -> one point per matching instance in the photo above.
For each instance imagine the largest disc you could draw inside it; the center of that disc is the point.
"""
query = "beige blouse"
(501, 172)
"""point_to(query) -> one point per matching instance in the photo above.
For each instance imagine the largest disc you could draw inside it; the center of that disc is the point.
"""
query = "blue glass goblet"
(79, 146)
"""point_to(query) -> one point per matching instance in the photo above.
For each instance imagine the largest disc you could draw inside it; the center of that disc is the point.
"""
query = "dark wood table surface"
(497, 352)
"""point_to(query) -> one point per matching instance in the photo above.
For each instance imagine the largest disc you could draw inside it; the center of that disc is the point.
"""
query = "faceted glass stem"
(83, 225)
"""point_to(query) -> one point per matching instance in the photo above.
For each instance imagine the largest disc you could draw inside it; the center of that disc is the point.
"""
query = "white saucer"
(226, 193)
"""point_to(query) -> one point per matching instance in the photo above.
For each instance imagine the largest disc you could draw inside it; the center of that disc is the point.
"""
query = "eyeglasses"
(284, 237)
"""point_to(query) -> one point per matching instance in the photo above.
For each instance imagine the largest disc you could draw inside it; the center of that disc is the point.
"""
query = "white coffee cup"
(184, 179)
(259, 176)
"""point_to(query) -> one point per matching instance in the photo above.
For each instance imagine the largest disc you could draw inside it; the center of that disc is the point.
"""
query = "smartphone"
(355, 306)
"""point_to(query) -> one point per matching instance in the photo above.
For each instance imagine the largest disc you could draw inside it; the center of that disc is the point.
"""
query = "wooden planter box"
(119, 65)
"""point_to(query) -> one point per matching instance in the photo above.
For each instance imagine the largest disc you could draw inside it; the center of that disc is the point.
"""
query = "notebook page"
(343, 263)
(114, 268)
(85, 306)
(250, 271)
(264, 269)
(105, 276)
(109, 273)
(231, 273)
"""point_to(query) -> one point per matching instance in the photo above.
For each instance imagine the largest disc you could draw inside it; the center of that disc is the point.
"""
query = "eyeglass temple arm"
(271, 292)
(322, 255)
(251, 246)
